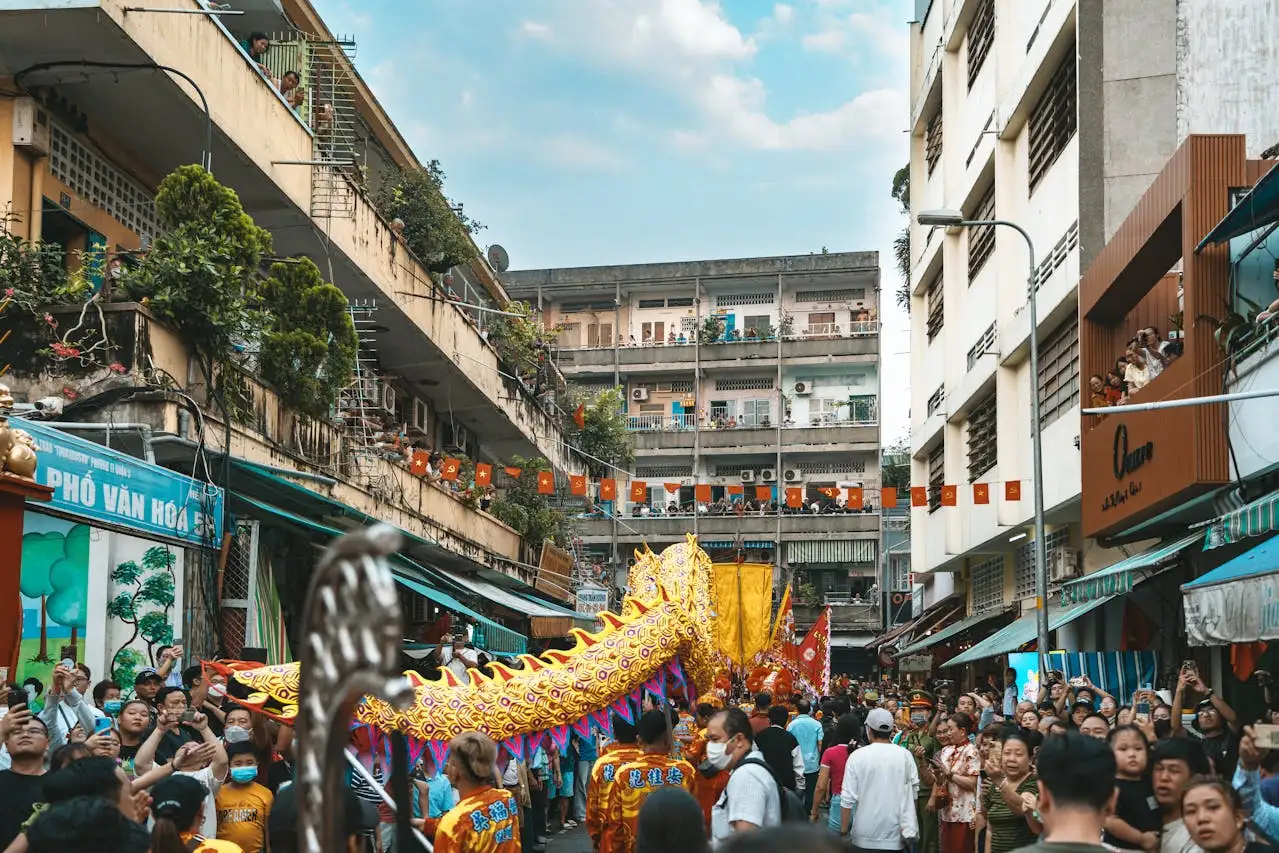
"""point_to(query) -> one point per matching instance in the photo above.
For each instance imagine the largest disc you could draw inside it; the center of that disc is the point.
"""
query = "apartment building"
(92, 136)
(749, 375)
(1056, 115)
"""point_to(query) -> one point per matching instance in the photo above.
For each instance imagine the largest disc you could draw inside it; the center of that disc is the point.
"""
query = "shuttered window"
(982, 444)
(981, 35)
(981, 238)
(1059, 372)
(932, 142)
(936, 307)
(936, 476)
(1054, 119)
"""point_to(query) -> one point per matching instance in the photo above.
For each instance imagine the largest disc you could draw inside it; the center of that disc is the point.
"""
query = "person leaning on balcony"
(1137, 374)
(256, 46)
(1097, 391)
(291, 88)
(1114, 388)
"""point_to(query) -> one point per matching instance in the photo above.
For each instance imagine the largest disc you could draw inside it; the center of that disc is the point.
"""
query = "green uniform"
(928, 841)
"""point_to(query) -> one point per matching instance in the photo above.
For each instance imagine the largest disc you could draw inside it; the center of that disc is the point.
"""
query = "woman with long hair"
(486, 818)
(177, 804)
(1005, 808)
(957, 769)
(830, 778)
(1214, 815)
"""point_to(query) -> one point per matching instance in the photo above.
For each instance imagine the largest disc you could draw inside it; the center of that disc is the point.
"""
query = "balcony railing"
(865, 412)
(820, 331)
(661, 423)
(676, 510)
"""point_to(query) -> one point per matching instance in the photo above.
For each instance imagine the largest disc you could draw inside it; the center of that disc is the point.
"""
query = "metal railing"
(676, 510)
(823, 331)
(661, 422)
(865, 413)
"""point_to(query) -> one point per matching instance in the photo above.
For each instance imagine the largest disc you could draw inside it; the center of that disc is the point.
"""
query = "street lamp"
(955, 219)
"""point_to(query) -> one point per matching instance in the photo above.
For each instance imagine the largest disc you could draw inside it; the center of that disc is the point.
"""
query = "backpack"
(792, 804)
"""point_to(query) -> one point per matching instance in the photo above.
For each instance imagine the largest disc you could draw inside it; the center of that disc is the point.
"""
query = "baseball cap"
(147, 672)
(283, 819)
(879, 720)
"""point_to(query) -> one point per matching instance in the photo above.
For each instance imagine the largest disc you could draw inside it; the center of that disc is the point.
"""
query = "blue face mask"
(112, 706)
(243, 775)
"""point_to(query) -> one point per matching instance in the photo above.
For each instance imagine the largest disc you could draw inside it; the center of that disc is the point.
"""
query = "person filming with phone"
(1216, 726)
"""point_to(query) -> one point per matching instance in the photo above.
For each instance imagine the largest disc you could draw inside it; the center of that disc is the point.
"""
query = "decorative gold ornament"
(17, 447)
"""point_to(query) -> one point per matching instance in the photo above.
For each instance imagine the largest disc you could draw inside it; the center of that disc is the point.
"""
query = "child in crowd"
(1136, 822)
(243, 804)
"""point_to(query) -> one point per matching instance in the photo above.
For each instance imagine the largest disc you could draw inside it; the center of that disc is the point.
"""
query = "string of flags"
(579, 485)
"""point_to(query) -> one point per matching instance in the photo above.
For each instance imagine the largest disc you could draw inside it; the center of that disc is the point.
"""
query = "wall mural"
(55, 591)
(142, 596)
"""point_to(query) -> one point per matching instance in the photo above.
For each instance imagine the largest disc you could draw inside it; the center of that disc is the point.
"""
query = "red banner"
(639, 492)
(577, 484)
(545, 483)
(981, 493)
(483, 474)
(452, 468)
(608, 489)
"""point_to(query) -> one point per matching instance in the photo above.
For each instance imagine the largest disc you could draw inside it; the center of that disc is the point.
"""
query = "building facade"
(751, 376)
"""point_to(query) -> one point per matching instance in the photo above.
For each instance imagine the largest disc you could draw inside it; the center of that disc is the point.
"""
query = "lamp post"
(955, 219)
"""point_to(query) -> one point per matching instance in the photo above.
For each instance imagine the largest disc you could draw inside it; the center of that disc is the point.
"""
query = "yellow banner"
(744, 595)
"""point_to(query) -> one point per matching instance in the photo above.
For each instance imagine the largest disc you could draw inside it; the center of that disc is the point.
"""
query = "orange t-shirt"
(707, 791)
(632, 783)
(485, 822)
(602, 775)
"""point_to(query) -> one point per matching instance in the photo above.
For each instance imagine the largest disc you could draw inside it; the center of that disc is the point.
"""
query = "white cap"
(880, 721)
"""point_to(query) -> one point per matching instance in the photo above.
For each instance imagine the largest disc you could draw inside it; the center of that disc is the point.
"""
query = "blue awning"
(949, 631)
(1257, 209)
(1025, 630)
(1119, 578)
(1262, 560)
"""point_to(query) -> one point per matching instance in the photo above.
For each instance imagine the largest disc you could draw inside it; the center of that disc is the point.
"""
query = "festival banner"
(545, 483)
(608, 489)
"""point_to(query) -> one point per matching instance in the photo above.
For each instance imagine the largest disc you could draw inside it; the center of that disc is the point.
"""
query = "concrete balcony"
(667, 358)
(844, 614)
(636, 530)
(835, 438)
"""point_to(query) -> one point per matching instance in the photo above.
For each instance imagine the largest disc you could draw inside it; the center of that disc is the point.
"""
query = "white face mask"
(235, 734)
(217, 690)
(717, 755)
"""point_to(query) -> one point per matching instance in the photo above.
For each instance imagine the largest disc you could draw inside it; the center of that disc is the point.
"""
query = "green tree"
(526, 510)
(437, 233)
(901, 243)
(604, 435)
(39, 552)
(309, 346)
(145, 604)
(523, 343)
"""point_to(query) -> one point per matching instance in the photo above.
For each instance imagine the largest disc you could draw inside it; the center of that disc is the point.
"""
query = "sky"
(584, 132)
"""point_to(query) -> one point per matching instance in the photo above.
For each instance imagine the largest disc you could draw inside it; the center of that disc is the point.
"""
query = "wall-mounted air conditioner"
(768, 475)
(31, 126)
(639, 395)
(804, 387)
(748, 476)
(1063, 564)
(794, 475)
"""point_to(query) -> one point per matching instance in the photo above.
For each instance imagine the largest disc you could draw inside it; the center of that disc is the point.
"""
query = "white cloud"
(783, 13)
(570, 151)
(536, 30)
(467, 99)
(826, 41)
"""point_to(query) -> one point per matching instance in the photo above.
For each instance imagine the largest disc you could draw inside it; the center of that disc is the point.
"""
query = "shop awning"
(1122, 576)
(1256, 519)
(951, 630)
(1025, 630)
(832, 551)
(1233, 602)
(894, 633)
(1257, 209)
(511, 600)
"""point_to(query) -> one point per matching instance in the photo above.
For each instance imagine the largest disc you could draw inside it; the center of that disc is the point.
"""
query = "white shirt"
(881, 784)
(458, 663)
(1176, 839)
(751, 796)
(209, 823)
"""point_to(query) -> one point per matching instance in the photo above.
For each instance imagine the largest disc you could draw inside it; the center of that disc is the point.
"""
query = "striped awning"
(1120, 578)
(832, 551)
(1024, 630)
(1256, 519)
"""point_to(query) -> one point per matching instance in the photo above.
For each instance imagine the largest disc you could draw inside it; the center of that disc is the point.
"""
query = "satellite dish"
(498, 258)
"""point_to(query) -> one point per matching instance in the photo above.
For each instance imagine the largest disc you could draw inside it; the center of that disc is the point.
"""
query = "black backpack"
(791, 802)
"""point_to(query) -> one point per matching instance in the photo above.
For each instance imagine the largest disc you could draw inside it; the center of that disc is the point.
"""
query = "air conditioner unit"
(768, 475)
(455, 437)
(388, 398)
(804, 387)
(748, 476)
(31, 126)
(639, 395)
(794, 475)
(1063, 564)
(421, 415)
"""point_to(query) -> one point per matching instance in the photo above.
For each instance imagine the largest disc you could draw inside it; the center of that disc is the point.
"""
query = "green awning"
(1256, 519)
(1122, 576)
(1025, 630)
(1257, 209)
(949, 631)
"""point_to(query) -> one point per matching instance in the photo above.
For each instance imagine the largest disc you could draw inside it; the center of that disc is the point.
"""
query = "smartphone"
(101, 724)
(188, 715)
(1142, 711)
(16, 697)
(67, 663)
(1190, 667)
(1265, 735)
(1078, 681)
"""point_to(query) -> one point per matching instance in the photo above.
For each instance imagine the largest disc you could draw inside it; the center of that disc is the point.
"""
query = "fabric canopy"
(743, 621)
(951, 630)
(1234, 602)
(1025, 630)
(512, 600)
(1256, 519)
(1120, 578)
(1257, 209)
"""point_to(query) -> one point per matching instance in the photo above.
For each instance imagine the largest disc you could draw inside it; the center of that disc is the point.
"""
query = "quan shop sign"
(1128, 460)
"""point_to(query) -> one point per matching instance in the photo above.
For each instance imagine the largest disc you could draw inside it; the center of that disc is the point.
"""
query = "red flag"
(918, 496)
(671, 487)
(579, 417)
(830, 492)
(483, 474)
(949, 495)
(813, 655)
(513, 472)
(608, 489)
(888, 497)
(763, 493)
(702, 492)
(794, 497)
(545, 483)
(981, 493)
(452, 468)
(418, 462)
(639, 492)
(735, 490)
(577, 484)
(856, 499)
(1012, 490)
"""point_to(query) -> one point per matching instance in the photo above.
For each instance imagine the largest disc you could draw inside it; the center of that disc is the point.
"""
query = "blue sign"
(100, 484)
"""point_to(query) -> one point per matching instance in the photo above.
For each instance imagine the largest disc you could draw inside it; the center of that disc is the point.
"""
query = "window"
(1068, 242)
(599, 335)
(679, 302)
(759, 322)
(1024, 566)
(936, 307)
(982, 444)
(934, 402)
(657, 472)
(847, 466)
(682, 386)
(652, 303)
(687, 325)
(981, 35)
(839, 380)
(730, 300)
(756, 413)
(653, 331)
(99, 182)
(985, 344)
(1053, 120)
(846, 295)
(745, 384)
(598, 305)
(988, 585)
(822, 323)
(981, 238)
(1059, 372)
(899, 572)
(936, 476)
(932, 142)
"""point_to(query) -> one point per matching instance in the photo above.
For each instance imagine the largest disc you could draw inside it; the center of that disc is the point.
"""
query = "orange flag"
(702, 492)
(418, 462)
(949, 495)
(830, 492)
(981, 493)
(513, 472)
(856, 499)
(451, 469)
(639, 492)
(918, 496)
(1012, 490)
(888, 497)
(794, 497)
(545, 483)
(577, 484)
(483, 474)
(763, 493)
(735, 490)
(579, 417)
(608, 489)
(671, 487)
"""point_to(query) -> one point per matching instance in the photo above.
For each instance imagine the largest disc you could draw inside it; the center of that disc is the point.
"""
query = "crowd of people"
(1145, 357)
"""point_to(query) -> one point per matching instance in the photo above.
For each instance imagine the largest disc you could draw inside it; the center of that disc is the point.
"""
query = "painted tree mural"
(144, 601)
(55, 571)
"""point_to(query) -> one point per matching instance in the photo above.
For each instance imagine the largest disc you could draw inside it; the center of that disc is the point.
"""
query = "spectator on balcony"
(1114, 388)
(789, 421)
(1097, 391)
(670, 339)
(1137, 375)
(256, 46)
(1153, 350)
(291, 89)
(682, 339)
